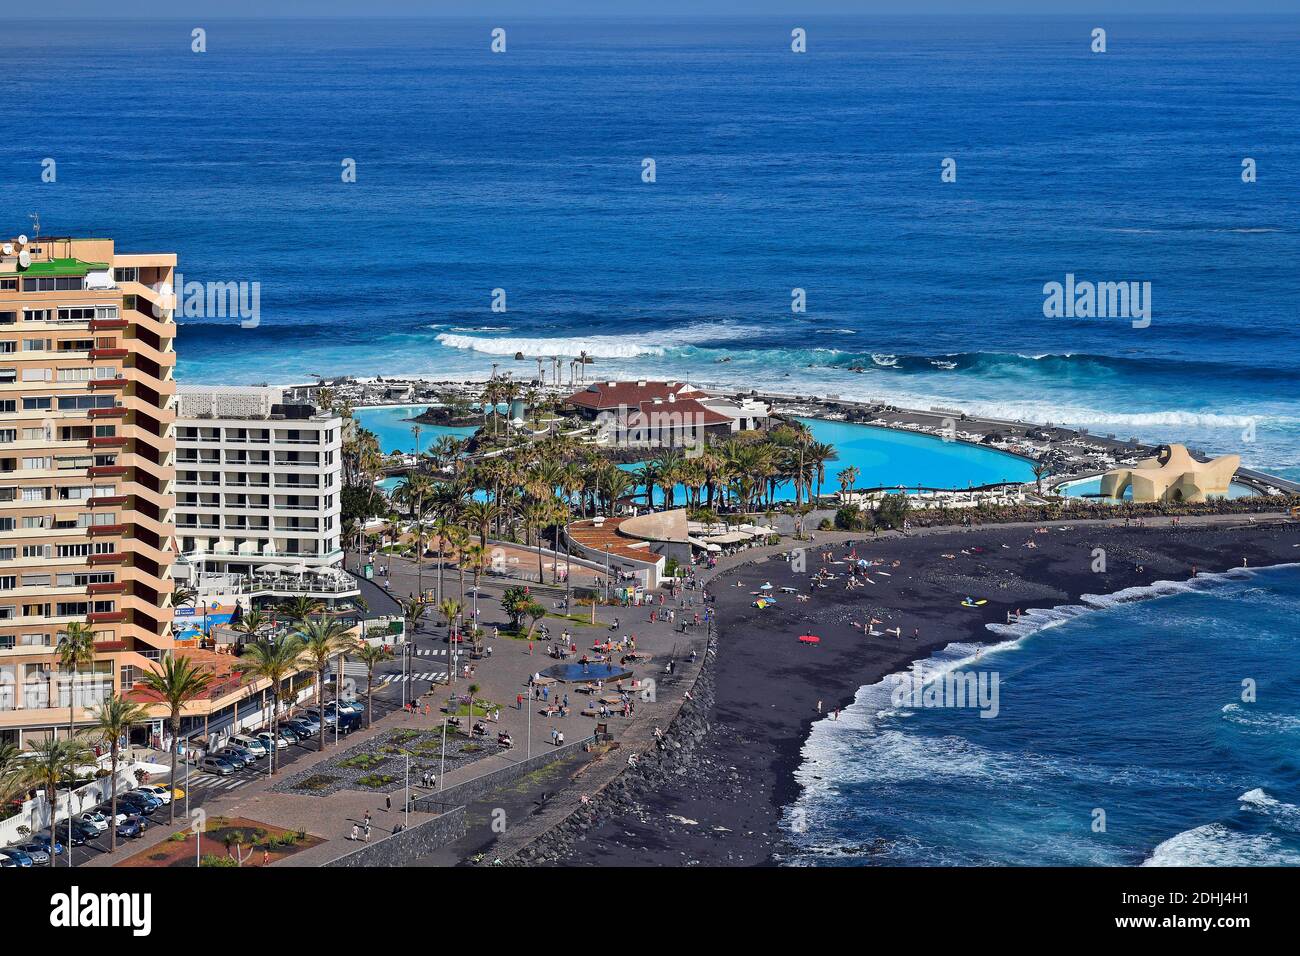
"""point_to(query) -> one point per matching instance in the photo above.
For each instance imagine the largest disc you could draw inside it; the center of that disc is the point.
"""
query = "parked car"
(7, 861)
(251, 744)
(79, 832)
(42, 840)
(217, 765)
(131, 826)
(19, 857)
(93, 818)
(328, 714)
(138, 803)
(312, 723)
(237, 756)
(165, 794)
(354, 707)
(267, 741)
(301, 729)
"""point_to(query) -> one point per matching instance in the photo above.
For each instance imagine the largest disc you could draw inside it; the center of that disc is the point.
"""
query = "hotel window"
(36, 580)
(35, 345)
(37, 374)
(9, 494)
(8, 285)
(8, 348)
(6, 524)
(38, 315)
(74, 374)
(8, 582)
(76, 345)
(126, 274)
(38, 464)
(8, 554)
(8, 435)
(7, 612)
(8, 406)
(8, 376)
(38, 551)
(37, 403)
(55, 284)
(69, 403)
(35, 434)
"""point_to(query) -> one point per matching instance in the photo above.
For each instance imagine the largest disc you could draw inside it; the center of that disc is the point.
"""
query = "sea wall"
(407, 847)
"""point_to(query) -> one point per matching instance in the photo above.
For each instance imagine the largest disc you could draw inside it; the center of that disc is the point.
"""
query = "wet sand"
(723, 805)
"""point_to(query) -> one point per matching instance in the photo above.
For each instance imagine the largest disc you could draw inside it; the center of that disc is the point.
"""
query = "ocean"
(1157, 732)
(774, 171)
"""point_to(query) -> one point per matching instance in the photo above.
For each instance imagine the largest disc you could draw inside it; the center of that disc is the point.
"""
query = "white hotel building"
(259, 485)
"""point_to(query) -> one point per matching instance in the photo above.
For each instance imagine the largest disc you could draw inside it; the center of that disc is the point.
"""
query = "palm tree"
(75, 650)
(473, 692)
(49, 763)
(274, 661)
(184, 596)
(1041, 469)
(371, 655)
(413, 609)
(11, 779)
(252, 624)
(321, 640)
(848, 478)
(114, 719)
(177, 681)
(300, 608)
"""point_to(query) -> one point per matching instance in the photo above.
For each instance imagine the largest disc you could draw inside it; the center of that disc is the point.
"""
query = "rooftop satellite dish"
(8, 248)
(24, 259)
(22, 240)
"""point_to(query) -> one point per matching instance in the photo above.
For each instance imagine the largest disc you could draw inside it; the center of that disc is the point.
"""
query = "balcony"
(107, 383)
(105, 647)
(106, 617)
(108, 353)
(113, 557)
(117, 411)
(107, 471)
(100, 530)
(108, 441)
(110, 587)
(104, 325)
(107, 500)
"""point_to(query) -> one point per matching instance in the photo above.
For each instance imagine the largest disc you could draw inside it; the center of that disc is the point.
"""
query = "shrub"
(852, 518)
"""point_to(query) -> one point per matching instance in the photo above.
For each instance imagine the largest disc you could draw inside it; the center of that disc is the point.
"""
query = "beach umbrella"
(809, 639)
(765, 587)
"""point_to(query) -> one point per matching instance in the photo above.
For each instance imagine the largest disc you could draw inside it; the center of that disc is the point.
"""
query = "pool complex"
(884, 457)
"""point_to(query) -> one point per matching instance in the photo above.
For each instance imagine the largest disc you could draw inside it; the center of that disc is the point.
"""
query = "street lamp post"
(442, 759)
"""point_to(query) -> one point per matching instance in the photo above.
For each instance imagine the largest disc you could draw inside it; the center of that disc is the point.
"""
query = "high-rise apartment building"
(87, 469)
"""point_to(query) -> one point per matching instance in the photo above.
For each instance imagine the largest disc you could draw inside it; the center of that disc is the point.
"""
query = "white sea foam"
(1213, 844)
(598, 346)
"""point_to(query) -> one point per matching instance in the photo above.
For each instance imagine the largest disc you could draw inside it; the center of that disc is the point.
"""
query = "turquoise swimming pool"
(886, 458)
(392, 426)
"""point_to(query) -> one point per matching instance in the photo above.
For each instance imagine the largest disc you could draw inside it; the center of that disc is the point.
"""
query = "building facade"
(259, 486)
(87, 452)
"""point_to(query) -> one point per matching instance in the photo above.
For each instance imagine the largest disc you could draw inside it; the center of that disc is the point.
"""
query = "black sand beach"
(723, 805)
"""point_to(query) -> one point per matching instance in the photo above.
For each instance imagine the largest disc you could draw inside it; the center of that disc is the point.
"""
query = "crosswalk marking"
(436, 677)
(435, 652)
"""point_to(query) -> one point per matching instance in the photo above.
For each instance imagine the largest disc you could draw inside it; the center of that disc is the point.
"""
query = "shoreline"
(725, 805)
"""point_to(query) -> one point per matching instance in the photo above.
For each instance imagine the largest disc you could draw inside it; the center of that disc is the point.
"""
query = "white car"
(252, 744)
(93, 818)
(162, 793)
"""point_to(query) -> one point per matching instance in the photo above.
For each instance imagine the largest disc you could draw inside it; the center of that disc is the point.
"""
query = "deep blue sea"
(1132, 709)
(775, 171)
(820, 171)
